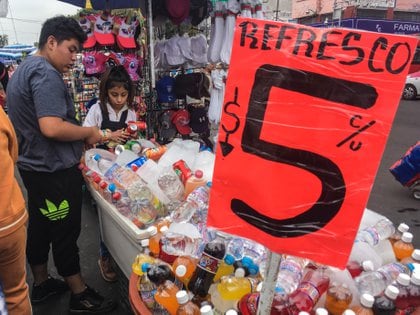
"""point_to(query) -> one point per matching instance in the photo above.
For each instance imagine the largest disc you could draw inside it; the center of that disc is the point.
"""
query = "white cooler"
(121, 236)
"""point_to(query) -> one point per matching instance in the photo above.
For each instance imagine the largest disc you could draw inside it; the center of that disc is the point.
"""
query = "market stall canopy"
(107, 4)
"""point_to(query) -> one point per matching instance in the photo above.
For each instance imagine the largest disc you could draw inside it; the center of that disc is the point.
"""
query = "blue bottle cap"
(97, 157)
(253, 269)
(145, 267)
(229, 259)
(247, 261)
(112, 187)
(208, 184)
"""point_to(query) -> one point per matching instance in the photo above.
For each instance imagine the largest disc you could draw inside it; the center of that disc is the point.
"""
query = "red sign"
(306, 118)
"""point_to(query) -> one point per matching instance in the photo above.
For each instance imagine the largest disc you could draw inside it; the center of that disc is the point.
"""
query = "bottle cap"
(180, 271)
(182, 297)
(403, 227)
(416, 254)
(321, 311)
(163, 229)
(144, 242)
(231, 312)
(303, 313)
(206, 310)
(240, 273)
(349, 312)
(97, 157)
(403, 279)
(145, 267)
(198, 174)
(112, 187)
(229, 259)
(253, 269)
(367, 265)
(152, 230)
(407, 237)
(392, 292)
(415, 278)
(367, 300)
(247, 261)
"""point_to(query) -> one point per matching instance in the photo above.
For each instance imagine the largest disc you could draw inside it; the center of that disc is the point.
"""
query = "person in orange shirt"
(13, 218)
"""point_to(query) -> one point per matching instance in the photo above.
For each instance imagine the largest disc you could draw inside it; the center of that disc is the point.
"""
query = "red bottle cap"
(103, 185)
(116, 196)
(198, 173)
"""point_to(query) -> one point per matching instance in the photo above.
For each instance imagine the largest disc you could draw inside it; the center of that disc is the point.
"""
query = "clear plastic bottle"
(402, 227)
(366, 304)
(362, 251)
(290, 274)
(375, 282)
(194, 208)
(385, 304)
(414, 290)
(404, 247)
(402, 283)
(381, 230)
(171, 185)
(186, 307)
(314, 284)
(338, 298)
(147, 288)
(193, 182)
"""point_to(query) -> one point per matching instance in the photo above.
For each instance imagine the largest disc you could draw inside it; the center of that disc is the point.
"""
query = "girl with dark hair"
(111, 114)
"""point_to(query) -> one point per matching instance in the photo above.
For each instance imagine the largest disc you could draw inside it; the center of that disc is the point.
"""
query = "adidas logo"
(53, 213)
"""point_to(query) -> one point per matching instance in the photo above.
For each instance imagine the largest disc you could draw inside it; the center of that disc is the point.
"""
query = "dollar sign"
(225, 145)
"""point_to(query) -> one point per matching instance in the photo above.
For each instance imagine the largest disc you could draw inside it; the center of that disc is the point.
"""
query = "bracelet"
(105, 136)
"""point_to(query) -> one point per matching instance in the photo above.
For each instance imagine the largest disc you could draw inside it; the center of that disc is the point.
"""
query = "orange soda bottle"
(365, 307)
(184, 267)
(404, 247)
(186, 307)
(194, 181)
(338, 298)
(402, 227)
(154, 240)
(414, 258)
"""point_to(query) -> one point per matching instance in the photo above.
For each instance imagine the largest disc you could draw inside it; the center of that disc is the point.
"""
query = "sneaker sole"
(104, 276)
(46, 297)
(98, 311)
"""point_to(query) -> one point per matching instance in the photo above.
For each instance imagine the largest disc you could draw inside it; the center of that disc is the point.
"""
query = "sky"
(28, 16)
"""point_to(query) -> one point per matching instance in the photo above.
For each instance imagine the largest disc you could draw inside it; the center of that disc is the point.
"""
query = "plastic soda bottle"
(184, 267)
(235, 287)
(206, 269)
(225, 268)
(194, 181)
(385, 304)
(402, 283)
(321, 311)
(186, 307)
(404, 247)
(402, 227)
(313, 285)
(365, 307)
(414, 290)
(414, 258)
(171, 185)
(147, 288)
(206, 310)
(338, 298)
(349, 312)
(166, 290)
(154, 240)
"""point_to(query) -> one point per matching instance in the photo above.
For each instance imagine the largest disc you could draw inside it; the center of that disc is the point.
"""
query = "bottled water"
(290, 274)
(171, 185)
(382, 230)
(182, 239)
(362, 251)
(235, 248)
(375, 282)
(194, 209)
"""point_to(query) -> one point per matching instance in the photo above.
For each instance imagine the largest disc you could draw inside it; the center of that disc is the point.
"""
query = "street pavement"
(388, 197)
